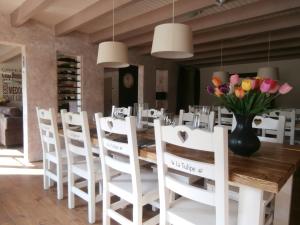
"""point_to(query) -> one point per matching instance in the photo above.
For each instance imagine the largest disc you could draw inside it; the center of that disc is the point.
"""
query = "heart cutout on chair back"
(152, 113)
(277, 113)
(110, 124)
(183, 136)
(257, 121)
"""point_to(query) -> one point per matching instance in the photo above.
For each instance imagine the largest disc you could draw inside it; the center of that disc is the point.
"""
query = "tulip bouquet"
(248, 97)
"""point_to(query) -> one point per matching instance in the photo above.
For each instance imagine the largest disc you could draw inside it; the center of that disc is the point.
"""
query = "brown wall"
(151, 64)
(288, 72)
(40, 79)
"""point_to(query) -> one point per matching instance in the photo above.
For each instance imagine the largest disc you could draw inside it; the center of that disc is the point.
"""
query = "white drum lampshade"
(172, 41)
(113, 54)
(268, 72)
(222, 75)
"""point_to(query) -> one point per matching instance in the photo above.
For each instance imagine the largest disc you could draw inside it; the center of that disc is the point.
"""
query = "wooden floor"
(24, 202)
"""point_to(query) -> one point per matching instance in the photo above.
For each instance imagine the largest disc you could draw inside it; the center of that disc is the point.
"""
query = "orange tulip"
(216, 81)
(218, 92)
(239, 92)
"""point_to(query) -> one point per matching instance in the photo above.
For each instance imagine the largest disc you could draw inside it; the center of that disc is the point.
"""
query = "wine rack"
(69, 82)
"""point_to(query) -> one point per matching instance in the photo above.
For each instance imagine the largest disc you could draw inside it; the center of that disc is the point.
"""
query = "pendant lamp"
(172, 40)
(221, 73)
(113, 54)
(268, 71)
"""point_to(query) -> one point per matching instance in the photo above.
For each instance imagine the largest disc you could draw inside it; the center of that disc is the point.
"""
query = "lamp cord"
(221, 55)
(113, 12)
(269, 48)
(173, 19)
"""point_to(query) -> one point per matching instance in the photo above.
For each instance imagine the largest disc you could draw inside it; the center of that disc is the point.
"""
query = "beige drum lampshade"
(268, 72)
(222, 75)
(113, 54)
(172, 41)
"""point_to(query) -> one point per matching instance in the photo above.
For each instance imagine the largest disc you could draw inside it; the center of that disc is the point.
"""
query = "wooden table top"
(268, 169)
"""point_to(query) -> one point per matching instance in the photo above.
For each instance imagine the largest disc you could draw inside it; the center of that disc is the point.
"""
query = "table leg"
(251, 206)
(283, 204)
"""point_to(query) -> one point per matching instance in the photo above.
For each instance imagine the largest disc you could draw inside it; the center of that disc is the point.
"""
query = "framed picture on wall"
(245, 75)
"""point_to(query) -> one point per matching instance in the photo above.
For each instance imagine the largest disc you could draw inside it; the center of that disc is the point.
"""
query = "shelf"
(69, 82)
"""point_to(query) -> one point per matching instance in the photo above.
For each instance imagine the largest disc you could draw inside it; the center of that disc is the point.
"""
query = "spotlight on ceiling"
(220, 2)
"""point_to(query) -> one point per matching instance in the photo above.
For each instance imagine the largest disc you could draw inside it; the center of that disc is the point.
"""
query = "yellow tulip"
(246, 85)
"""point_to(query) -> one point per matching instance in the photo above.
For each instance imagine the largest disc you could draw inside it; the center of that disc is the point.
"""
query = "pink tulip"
(274, 89)
(285, 88)
(255, 83)
(266, 86)
(234, 79)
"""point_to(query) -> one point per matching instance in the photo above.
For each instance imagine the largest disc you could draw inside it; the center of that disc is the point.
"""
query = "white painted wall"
(289, 71)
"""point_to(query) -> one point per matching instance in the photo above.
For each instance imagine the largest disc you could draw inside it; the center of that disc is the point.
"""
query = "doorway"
(11, 101)
(128, 86)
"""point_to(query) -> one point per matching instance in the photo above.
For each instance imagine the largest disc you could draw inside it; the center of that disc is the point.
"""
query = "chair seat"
(148, 179)
(80, 168)
(52, 156)
(188, 212)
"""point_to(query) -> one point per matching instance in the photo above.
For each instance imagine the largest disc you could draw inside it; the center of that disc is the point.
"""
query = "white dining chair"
(225, 117)
(121, 112)
(53, 153)
(297, 126)
(265, 124)
(290, 122)
(78, 144)
(187, 119)
(196, 205)
(152, 114)
(135, 185)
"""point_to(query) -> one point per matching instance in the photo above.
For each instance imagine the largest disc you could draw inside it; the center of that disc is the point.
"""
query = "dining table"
(269, 170)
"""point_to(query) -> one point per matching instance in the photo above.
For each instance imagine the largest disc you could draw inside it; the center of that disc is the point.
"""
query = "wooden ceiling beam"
(27, 10)
(248, 60)
(279, 35)
(150, 19)
(292, 43)
(245, 55)
(86, 15)
(11, 53)
(236, 15)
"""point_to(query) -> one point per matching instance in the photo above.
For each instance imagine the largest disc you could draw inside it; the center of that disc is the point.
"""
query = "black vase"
(243, 140)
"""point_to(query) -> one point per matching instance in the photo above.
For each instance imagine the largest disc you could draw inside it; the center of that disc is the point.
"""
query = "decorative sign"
(11, 87)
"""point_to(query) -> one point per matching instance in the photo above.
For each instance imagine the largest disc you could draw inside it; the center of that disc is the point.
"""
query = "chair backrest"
(47, 121)
(153, 114)
(225, 117)
(217, 170)
(125, 145)
(120, 112)
(187, 118)
(290, 121)
(77, 137)
(265, 124)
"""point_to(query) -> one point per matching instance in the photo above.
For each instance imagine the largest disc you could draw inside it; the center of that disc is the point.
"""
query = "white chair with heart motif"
(187, 119)
(53, 153)
(290, 122)
(265, 124)
(120, 112)
(78, 144)
(225, 117)
(196, 205)
(135, 185)
(153, 114)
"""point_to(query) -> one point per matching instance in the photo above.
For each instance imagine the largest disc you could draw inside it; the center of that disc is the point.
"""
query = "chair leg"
(71, 183)
(91, 202)
(137, 213)
(50, 181)
(46, 179)
(106, 206)
(59, 183)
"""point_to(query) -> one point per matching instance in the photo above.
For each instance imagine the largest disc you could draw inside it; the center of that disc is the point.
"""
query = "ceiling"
(8, 52)
(242, 26)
